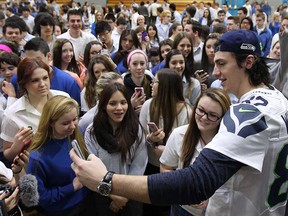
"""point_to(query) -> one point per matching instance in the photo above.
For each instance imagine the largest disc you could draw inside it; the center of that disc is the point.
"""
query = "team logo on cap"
(245, 46)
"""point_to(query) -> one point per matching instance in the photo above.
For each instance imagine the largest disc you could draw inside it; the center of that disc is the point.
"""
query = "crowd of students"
(138, 87)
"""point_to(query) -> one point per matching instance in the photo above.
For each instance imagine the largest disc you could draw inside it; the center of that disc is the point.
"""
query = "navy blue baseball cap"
(240, 42)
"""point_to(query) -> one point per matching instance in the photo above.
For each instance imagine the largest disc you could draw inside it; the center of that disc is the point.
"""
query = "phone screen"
(139, 89)
(144, 34)
(77, 149)
(153, 127)
(104, 52)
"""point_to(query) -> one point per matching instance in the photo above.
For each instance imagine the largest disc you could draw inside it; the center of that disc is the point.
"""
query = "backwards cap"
(240, 42)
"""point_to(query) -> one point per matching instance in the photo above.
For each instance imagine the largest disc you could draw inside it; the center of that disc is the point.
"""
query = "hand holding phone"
(27, 144)
(152, 126)
(144, 34)
(104, 52)
(77, 149)
(201, 75)
(139, 89)
(200, 72)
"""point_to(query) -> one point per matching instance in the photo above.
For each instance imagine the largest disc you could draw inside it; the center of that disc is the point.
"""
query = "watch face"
(104, 188)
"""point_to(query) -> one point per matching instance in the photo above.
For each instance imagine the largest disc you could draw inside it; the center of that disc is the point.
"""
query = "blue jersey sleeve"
(64, 82)
(195, 183)
(15, 84)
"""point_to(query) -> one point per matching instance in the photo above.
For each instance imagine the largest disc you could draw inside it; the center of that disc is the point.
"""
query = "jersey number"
(278, 189)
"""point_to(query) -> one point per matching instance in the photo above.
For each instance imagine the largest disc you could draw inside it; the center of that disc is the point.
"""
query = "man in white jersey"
(248, 155)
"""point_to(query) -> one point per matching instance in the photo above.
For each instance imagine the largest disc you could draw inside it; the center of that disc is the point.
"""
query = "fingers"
(17, 165)
(15, 194)
(77, 161)
(157, 135)
(137, 99)
(201, 77)
(114, 207)
(80, 58)
(8, 89)
(74, 157)
(13, 199)
(158, 132)
(4, 84)
(142, 98)
(25, 156)
(76, 184)
(138, 109)
(92, 157)
(4, 195)
(135, 94)
(21, 161)
(24, 134)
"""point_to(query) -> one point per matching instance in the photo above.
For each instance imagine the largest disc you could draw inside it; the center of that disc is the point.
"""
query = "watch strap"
(108, 177)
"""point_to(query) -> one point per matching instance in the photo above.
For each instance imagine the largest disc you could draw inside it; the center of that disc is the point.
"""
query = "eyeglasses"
(154, 81)
(210, 116)
(95, 52)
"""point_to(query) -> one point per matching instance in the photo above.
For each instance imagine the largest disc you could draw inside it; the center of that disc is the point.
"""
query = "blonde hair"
(275, 16)
(101, 12)
(104, 80)
(164, 13)
(54, 108)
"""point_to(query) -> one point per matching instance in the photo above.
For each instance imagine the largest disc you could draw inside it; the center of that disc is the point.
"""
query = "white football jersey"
(254, 132)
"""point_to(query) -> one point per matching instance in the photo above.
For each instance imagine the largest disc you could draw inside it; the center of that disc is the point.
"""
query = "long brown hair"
(187, 73)
(90, 84)
(164, 104)
(126, 134)
(57, 56)
(205, 60)
(192, 135)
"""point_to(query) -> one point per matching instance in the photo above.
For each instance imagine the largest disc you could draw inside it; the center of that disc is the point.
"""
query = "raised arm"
(12, 149)
(282, 73)
(122, 185)
(186, 186)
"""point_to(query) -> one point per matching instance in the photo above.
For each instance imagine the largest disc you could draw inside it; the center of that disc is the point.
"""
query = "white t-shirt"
(84, 105)
(183, 119)
(172, 154)
(80, 43)
(116, 38)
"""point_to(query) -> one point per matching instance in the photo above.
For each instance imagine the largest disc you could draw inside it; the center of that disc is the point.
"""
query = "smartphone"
(152, 126)
(104, 52)
(26, 145)
(200, 72)
(144, 34)
(6, 187)
(139, 89)
(77, 149)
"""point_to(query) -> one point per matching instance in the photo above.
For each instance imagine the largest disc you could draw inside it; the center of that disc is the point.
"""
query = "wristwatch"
(105, 185)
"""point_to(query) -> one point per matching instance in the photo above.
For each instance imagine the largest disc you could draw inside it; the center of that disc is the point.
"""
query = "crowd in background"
(102, 76)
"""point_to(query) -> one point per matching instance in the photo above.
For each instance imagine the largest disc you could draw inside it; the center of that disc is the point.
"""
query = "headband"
(134, 52)
(5, 48)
